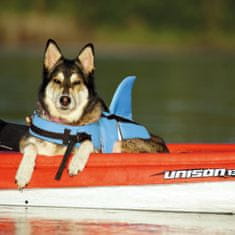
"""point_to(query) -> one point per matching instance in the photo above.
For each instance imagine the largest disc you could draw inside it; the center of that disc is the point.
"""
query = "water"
(181, 97)
(87, 221)
(184, 98)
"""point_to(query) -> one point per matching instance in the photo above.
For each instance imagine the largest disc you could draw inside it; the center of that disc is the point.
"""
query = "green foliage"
(184, 14)
(204, 22)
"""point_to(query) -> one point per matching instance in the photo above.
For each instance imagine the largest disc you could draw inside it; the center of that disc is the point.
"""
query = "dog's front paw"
(25, 170)
(23, 176)
(75, 168)
(79, 160)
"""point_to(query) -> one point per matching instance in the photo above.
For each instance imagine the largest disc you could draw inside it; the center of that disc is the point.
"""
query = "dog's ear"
(87, 58)
(52, 54)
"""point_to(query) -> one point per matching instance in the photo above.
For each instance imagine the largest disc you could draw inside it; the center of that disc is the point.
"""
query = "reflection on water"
(184, 98)
(86, 221)
(50, 227)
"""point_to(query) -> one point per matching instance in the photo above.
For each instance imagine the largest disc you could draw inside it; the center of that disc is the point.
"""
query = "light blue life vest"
(111, 127)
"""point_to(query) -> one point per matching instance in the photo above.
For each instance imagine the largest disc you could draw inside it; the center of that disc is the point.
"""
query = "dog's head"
(67, 85)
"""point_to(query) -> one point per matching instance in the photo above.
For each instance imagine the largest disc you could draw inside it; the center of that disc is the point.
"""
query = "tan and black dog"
(67, 95)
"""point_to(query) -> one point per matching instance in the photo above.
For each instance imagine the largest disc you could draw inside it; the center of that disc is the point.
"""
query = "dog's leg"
(80, 157)
(139, 146)
(25, 170)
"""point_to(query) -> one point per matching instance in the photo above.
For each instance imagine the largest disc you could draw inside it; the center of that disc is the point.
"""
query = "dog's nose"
(65, 100)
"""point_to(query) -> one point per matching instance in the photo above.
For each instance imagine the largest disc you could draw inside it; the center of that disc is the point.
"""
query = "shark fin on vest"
(121, 104)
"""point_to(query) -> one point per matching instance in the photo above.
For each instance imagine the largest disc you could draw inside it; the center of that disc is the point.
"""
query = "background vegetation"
(156, 23)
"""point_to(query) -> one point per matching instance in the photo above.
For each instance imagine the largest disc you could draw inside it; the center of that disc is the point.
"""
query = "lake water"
(184, 98)
(34, 221)
(181, 97)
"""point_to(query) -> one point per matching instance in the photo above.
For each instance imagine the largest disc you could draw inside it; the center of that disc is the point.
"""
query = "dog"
(67, 96)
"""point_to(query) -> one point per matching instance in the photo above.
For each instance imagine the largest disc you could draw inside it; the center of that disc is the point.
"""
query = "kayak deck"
(186, 163)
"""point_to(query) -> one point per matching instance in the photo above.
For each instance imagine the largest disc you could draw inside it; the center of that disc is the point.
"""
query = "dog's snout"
(65, 100)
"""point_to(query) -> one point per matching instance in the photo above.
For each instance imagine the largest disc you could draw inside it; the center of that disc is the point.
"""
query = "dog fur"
(67, 95)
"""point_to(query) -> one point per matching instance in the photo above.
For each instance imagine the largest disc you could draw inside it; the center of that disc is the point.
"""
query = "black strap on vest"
(70, 141)
(67, 138)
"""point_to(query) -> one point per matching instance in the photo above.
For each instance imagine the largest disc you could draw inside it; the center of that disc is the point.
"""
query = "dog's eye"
(57, 81)
(78, 82)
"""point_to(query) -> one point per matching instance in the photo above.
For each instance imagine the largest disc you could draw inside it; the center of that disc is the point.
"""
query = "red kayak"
(185, 163)
(131, 181)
